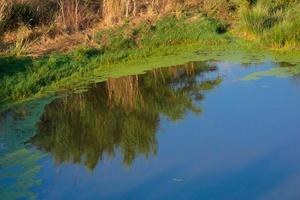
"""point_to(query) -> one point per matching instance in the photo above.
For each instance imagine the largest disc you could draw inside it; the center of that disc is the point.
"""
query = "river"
(202, 130)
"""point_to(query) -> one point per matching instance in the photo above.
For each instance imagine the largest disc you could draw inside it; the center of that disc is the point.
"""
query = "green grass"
(276, 23)
(166, 32)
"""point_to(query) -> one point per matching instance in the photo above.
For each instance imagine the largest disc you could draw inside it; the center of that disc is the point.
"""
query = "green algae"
(275, 72)
(284, 70)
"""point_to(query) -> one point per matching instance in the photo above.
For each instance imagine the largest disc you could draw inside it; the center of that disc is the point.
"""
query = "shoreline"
(180, 54)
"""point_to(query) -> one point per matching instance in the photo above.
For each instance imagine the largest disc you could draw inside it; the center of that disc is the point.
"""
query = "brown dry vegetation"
(38, 27)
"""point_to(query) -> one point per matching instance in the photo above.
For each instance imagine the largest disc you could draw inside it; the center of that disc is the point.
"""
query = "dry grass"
(73, 16)
(61, 43)
(58, 21)
(2, 8)
(5, 6)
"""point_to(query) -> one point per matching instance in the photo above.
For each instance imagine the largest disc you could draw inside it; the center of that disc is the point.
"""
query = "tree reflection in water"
(121, 114)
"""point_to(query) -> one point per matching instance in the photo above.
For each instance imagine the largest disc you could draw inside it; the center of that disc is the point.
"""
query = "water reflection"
(121, 114)
(18, 164)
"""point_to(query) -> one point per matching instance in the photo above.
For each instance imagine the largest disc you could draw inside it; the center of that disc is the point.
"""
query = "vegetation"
(274, 22)
(26, 77)
(118, 31)
(33, 27)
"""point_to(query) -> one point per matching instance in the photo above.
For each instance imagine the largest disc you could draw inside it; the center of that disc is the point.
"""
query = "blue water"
(244, 144)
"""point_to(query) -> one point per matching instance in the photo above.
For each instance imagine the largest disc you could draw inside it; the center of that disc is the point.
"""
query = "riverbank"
(36, 28)
(126, 50)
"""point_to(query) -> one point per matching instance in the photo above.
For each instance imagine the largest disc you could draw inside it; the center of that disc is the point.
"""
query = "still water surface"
(196, 131)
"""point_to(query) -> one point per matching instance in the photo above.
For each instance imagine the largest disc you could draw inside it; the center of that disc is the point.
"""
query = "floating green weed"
(280, 72)
(276, 72)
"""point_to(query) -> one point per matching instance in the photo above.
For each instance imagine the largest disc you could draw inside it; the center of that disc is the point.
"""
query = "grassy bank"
(39, 27)
(23, 77)
(122, 46)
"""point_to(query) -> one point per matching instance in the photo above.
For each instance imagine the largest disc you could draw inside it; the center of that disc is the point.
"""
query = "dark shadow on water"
(121, 115)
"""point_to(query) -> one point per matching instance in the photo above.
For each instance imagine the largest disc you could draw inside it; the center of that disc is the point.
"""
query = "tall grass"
(274, 22)
(286, 33)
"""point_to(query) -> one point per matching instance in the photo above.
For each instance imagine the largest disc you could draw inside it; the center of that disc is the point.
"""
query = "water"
(197, 131)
